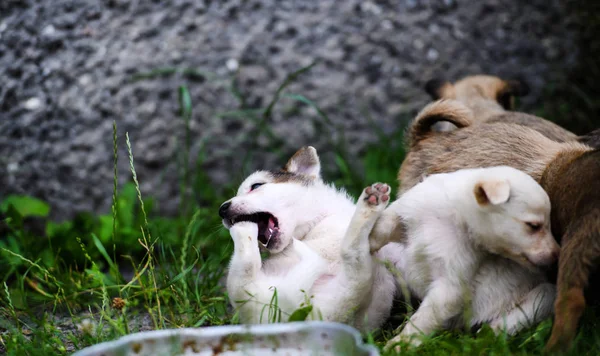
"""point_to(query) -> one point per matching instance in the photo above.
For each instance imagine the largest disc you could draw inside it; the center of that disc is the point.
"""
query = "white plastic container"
(293, 339)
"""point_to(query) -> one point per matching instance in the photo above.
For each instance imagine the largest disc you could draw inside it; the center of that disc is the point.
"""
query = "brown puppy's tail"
(447, 110)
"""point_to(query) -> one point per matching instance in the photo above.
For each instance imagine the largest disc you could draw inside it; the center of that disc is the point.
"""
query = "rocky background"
(69, 68)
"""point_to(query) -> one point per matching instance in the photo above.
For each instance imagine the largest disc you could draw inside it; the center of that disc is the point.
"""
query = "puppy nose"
(556, 254)
(223, 209)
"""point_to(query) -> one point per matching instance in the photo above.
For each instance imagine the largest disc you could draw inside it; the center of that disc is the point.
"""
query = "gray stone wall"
(67, 71)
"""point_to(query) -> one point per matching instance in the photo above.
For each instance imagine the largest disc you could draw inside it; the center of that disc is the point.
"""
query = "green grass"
(101, 276)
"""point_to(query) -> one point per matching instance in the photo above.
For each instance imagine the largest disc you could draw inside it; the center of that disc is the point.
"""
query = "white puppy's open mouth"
(268, 226)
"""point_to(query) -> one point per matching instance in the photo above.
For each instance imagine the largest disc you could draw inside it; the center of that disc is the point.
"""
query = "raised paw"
(244, 230)
(377, 195)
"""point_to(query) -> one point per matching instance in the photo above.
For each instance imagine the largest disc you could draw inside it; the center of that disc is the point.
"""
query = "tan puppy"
(591, 139)
(569, 172)
(492, 100)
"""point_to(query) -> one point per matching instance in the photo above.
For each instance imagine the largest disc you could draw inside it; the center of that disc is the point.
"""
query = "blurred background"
(211, 90)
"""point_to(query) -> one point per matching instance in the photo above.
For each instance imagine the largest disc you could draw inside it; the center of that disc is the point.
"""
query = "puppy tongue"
(271, 223)
(266, 231)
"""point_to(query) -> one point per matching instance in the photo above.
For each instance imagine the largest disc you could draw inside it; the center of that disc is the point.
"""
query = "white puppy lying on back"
(460, 228)
(318, 244)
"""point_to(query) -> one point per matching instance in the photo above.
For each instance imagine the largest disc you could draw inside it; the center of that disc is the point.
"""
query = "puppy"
(454, 221)
(317, 242)
(569, 172)
(591, 139)
(492, 99)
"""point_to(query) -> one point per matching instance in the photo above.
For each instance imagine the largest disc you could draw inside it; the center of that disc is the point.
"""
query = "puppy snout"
(545, 257)
(223, 209)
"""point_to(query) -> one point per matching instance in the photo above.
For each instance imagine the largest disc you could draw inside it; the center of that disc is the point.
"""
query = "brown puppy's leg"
(577, 257)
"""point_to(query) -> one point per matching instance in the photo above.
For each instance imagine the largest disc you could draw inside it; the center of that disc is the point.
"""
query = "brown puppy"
(591, 139)
(492, 100)
(569, 172)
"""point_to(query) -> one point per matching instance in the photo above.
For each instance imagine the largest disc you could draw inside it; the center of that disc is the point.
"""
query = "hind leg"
(388, 228)
(354, 281)
(535, 307)
(355, 244)
(299, 280)
(577, 257)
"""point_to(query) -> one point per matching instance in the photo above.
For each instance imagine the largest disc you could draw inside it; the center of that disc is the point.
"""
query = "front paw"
(244, 230)
(401, 343)
(376, 196)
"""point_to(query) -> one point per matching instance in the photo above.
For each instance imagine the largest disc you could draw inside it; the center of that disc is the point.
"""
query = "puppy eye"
(534, 226)
(255, 186)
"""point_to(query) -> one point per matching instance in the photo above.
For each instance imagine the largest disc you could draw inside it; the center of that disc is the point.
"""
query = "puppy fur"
(460, 226)
(569, 172)
(591, 139)
(317, 244)
(492, 99)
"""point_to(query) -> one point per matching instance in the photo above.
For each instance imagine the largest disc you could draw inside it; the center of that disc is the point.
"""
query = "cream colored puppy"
(474, 239)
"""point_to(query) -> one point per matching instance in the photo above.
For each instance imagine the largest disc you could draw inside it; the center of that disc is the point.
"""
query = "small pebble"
(49, 30)
(232, 64)
(12, 167)
(33, 104)
(432, 54)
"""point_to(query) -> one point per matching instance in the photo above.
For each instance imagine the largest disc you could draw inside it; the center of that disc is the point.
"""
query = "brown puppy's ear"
(305, 162)
(445, 110)
(512, 88)
(591, 139)
(439, 88)
(491, 191)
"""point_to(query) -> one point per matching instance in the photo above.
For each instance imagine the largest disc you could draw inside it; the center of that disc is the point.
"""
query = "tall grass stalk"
(60, 293)
(184, 253)
(97, 275)
(11, 306)
(115, 214)
(146, 244)
(115, 204)
(185, 103)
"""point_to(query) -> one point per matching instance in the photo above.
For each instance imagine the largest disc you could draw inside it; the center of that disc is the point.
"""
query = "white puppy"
(318, 245)
(461, 230)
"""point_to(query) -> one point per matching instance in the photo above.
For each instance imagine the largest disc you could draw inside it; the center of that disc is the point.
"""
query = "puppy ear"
(512, 88)
(591, 139)
(305, 162)
(492, 191)
(438, 88)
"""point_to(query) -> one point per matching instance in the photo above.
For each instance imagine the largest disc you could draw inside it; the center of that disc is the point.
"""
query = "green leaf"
(185, 101)
(300, 314)
(342, 165)
(103, 252)
(288, 80)
(127, 200)
(99, 276)
(305, 100)
(106, 227)
(26, 206)
(180, 275)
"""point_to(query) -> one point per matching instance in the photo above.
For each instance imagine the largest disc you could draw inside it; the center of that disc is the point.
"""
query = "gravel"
(66, 69)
